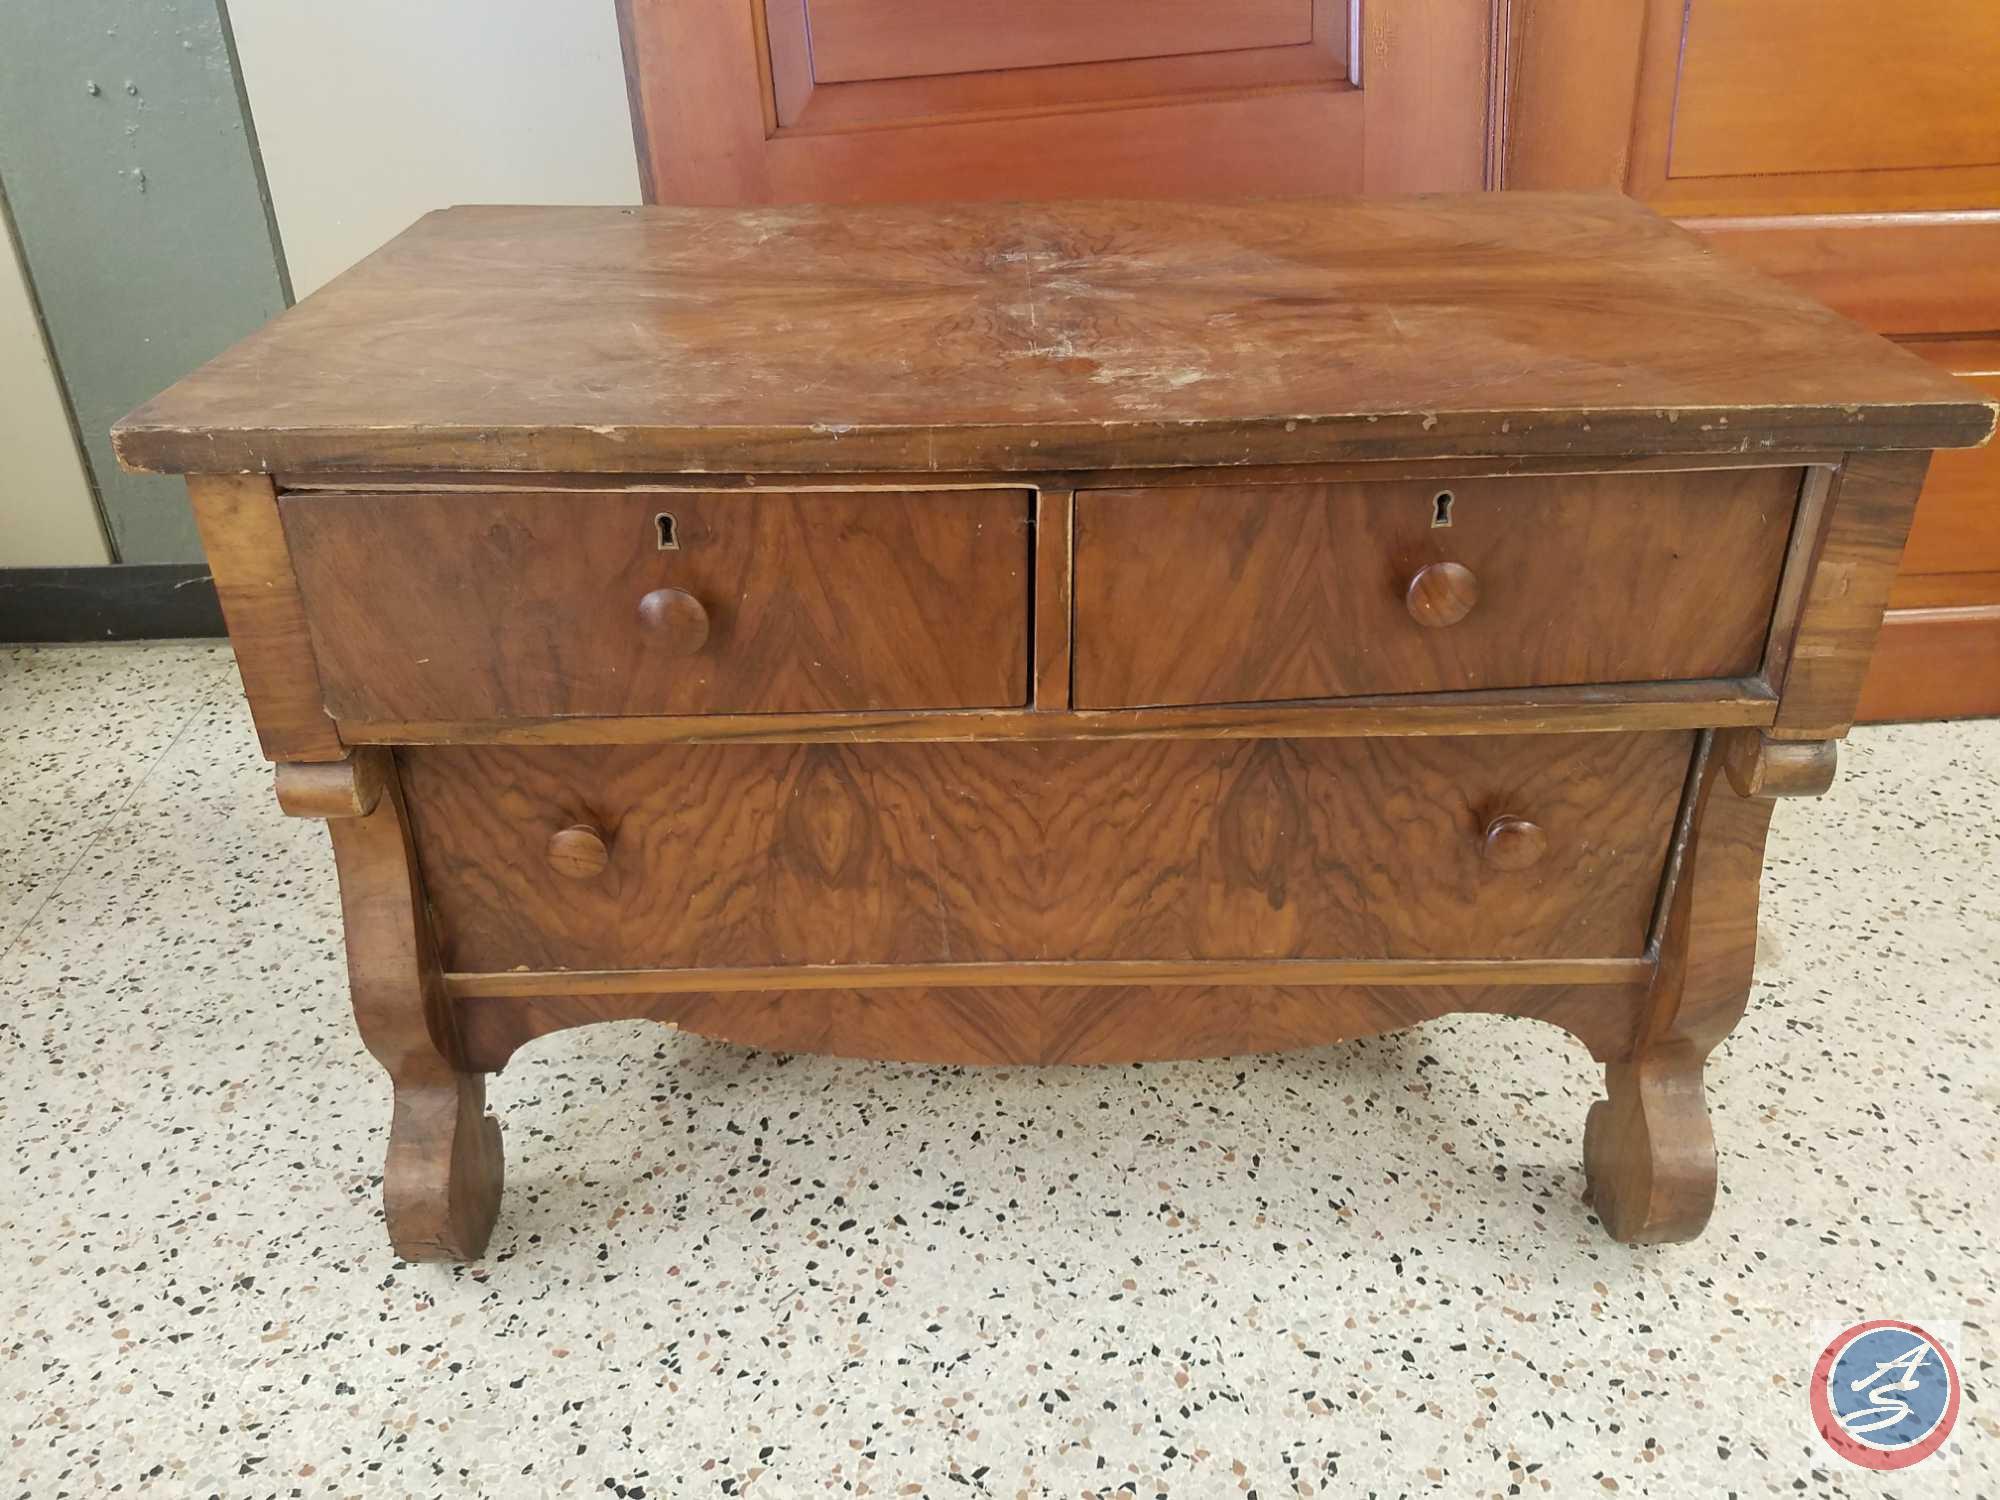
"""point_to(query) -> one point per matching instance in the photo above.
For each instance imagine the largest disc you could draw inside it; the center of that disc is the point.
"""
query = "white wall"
(371, 113)
(48, 517)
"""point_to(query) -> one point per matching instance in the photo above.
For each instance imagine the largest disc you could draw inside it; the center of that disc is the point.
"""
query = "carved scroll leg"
(442, 1184)
(441, 1187)
(1649, 1149)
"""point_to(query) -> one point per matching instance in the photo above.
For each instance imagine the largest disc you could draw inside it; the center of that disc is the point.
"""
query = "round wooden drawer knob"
(578, 851)
(1442, 594)
(675, 620)
(1514, 843)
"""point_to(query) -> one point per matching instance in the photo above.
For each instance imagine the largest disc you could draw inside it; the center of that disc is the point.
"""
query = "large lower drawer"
(479, 606)
(1268, 592)
(730, 855)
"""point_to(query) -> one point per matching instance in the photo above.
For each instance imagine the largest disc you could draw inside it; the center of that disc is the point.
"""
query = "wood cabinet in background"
(1850, 148)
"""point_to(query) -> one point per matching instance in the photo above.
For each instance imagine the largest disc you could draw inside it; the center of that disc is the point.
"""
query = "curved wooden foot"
(442, 1185)
(1649, 1150)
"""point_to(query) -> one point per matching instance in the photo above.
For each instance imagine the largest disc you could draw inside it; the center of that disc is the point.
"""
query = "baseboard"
(121, 602)
(1934, 664)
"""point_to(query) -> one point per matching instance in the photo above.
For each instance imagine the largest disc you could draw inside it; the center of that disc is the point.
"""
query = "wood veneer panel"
(1047, 337)
(463, 606)
(1164, 849)
(1254, 594)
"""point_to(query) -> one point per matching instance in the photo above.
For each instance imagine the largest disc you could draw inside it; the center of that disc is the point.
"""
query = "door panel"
(1816, 107)
(753, 101)
(1770, 86)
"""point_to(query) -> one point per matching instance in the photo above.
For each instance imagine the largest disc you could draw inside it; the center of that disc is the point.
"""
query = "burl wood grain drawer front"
(480, 606)
(729, 855)
(1270, 592)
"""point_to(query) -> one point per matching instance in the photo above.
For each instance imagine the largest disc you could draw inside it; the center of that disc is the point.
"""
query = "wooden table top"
(1042, 337)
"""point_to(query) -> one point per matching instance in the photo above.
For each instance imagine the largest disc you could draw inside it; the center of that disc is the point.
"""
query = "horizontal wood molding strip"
(1050, 975)
(379, 481)
(616, 448)
(1934, 664)
(1040, 1025)
(1946, 591)
(1914, 273)
(1725, 703)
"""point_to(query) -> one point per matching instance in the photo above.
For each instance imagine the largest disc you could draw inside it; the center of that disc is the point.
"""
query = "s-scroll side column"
(1649, 1148)
(442, 1182)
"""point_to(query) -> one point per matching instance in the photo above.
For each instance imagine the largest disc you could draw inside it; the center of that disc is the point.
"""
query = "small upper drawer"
(1260, 593)
(529, 604)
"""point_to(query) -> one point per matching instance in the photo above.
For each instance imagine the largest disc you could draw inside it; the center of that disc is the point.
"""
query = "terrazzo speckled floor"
(1356, 1271)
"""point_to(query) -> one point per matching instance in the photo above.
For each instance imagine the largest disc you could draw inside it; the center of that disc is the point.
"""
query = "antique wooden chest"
(1036, 634)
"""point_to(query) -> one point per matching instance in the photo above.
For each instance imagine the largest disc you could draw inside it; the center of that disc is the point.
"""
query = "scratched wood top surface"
(1042, 337)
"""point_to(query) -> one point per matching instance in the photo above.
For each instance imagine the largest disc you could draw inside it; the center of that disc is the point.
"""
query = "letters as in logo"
(1885, 1394)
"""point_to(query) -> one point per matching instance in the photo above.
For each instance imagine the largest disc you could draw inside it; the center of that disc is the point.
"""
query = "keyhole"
(668, 541)
(1441, 515)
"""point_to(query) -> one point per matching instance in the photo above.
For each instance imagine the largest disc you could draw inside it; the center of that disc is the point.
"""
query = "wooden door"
(780, 101)
(1849, 147)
